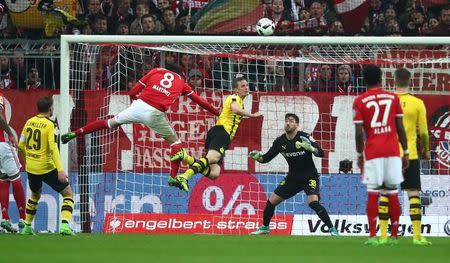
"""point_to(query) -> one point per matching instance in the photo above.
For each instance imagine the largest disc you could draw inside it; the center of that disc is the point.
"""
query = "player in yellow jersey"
(219, 136)
(414, 119)
(39, 146)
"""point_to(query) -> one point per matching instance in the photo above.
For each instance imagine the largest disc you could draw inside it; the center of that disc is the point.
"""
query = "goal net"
(119, 176)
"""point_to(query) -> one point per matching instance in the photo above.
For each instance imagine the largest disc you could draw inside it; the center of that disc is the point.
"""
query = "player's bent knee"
(112, 123)
(67, 192)
(36, 195)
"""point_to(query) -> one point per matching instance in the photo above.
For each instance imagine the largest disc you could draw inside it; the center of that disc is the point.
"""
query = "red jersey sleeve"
(357, 113)
(142, 83)
(187, 90)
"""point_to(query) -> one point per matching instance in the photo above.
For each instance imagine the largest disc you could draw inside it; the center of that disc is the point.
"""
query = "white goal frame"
(64, 110)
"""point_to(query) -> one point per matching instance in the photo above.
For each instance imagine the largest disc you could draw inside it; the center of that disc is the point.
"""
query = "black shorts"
(412, 176)
(289, 187)
(50, 178)
(217, 139)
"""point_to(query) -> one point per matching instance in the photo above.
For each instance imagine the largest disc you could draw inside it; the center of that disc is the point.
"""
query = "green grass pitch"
(212, 248)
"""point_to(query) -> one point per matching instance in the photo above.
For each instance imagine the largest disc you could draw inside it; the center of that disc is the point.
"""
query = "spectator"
(101, 25)
(324, 82)
(148, 25)
(6, 79)
(87, 30)
(183, 20)
(123, 14)
(345, 83)
(376, 16)
(186, 64)
(136, 26)
(443, 29)
(196, 78)
(316, 10)
(170, 26)
(93, 9)
(337, 29)
(278, 13)
(123, 29)
(19, 69)
(33, 81)
(107, 7)
(274, 78)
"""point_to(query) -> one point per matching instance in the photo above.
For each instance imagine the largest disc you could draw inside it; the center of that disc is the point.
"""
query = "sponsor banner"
(191, 224)
(356, 225)
(435, 195)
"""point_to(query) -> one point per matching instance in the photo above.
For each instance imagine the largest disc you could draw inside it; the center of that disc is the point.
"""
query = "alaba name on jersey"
(162, 87)
(377, 110)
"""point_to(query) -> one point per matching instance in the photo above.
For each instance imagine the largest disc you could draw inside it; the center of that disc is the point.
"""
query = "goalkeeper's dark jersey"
(301, 165)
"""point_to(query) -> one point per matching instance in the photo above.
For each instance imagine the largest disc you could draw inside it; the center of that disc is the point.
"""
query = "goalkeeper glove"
(255, 155)
(305, 144)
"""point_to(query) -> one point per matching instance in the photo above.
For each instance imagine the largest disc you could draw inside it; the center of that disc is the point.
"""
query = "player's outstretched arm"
(203, 103)
(236, 109)
(268, 156)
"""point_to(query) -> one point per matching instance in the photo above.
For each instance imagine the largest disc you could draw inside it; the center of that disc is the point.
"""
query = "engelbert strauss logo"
(447, 228)
(114, 223)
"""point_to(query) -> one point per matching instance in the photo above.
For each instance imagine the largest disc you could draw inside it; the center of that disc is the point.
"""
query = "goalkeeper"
(297, 147)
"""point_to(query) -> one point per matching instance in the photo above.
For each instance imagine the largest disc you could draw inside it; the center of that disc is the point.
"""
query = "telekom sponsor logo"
(192, 224)
(230, 194)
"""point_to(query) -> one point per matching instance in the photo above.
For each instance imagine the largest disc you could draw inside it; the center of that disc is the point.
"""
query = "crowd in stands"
(167, 17)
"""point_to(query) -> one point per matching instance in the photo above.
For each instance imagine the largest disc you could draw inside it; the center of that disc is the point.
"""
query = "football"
(265, 27)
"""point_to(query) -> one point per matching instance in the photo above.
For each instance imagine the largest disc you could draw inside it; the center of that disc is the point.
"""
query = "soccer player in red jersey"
(377, 114)
(9, 172)
(154, 94)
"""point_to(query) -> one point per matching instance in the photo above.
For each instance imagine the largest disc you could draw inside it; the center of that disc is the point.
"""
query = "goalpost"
(119, 176)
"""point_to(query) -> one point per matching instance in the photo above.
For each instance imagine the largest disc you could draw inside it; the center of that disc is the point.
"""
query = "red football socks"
(19, 196)
(92, 127)
(372, 212)
(4, 198)
(394, 213)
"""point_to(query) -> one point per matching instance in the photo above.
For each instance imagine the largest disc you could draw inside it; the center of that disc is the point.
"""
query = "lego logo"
(114, 223)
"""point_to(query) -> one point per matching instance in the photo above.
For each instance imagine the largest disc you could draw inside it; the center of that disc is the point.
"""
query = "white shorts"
(141, 112)
(383, 171)
(9, 162)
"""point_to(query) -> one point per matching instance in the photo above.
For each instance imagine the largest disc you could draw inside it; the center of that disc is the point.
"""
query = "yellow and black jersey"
(39, 143)
(414, 120)
(227, 118)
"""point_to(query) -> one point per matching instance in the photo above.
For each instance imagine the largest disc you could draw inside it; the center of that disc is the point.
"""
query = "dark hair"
(148, 15)
(174, 67)
(372, 75)
(402, 77)
(236, 80)
(292, 115)
(44, 104)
